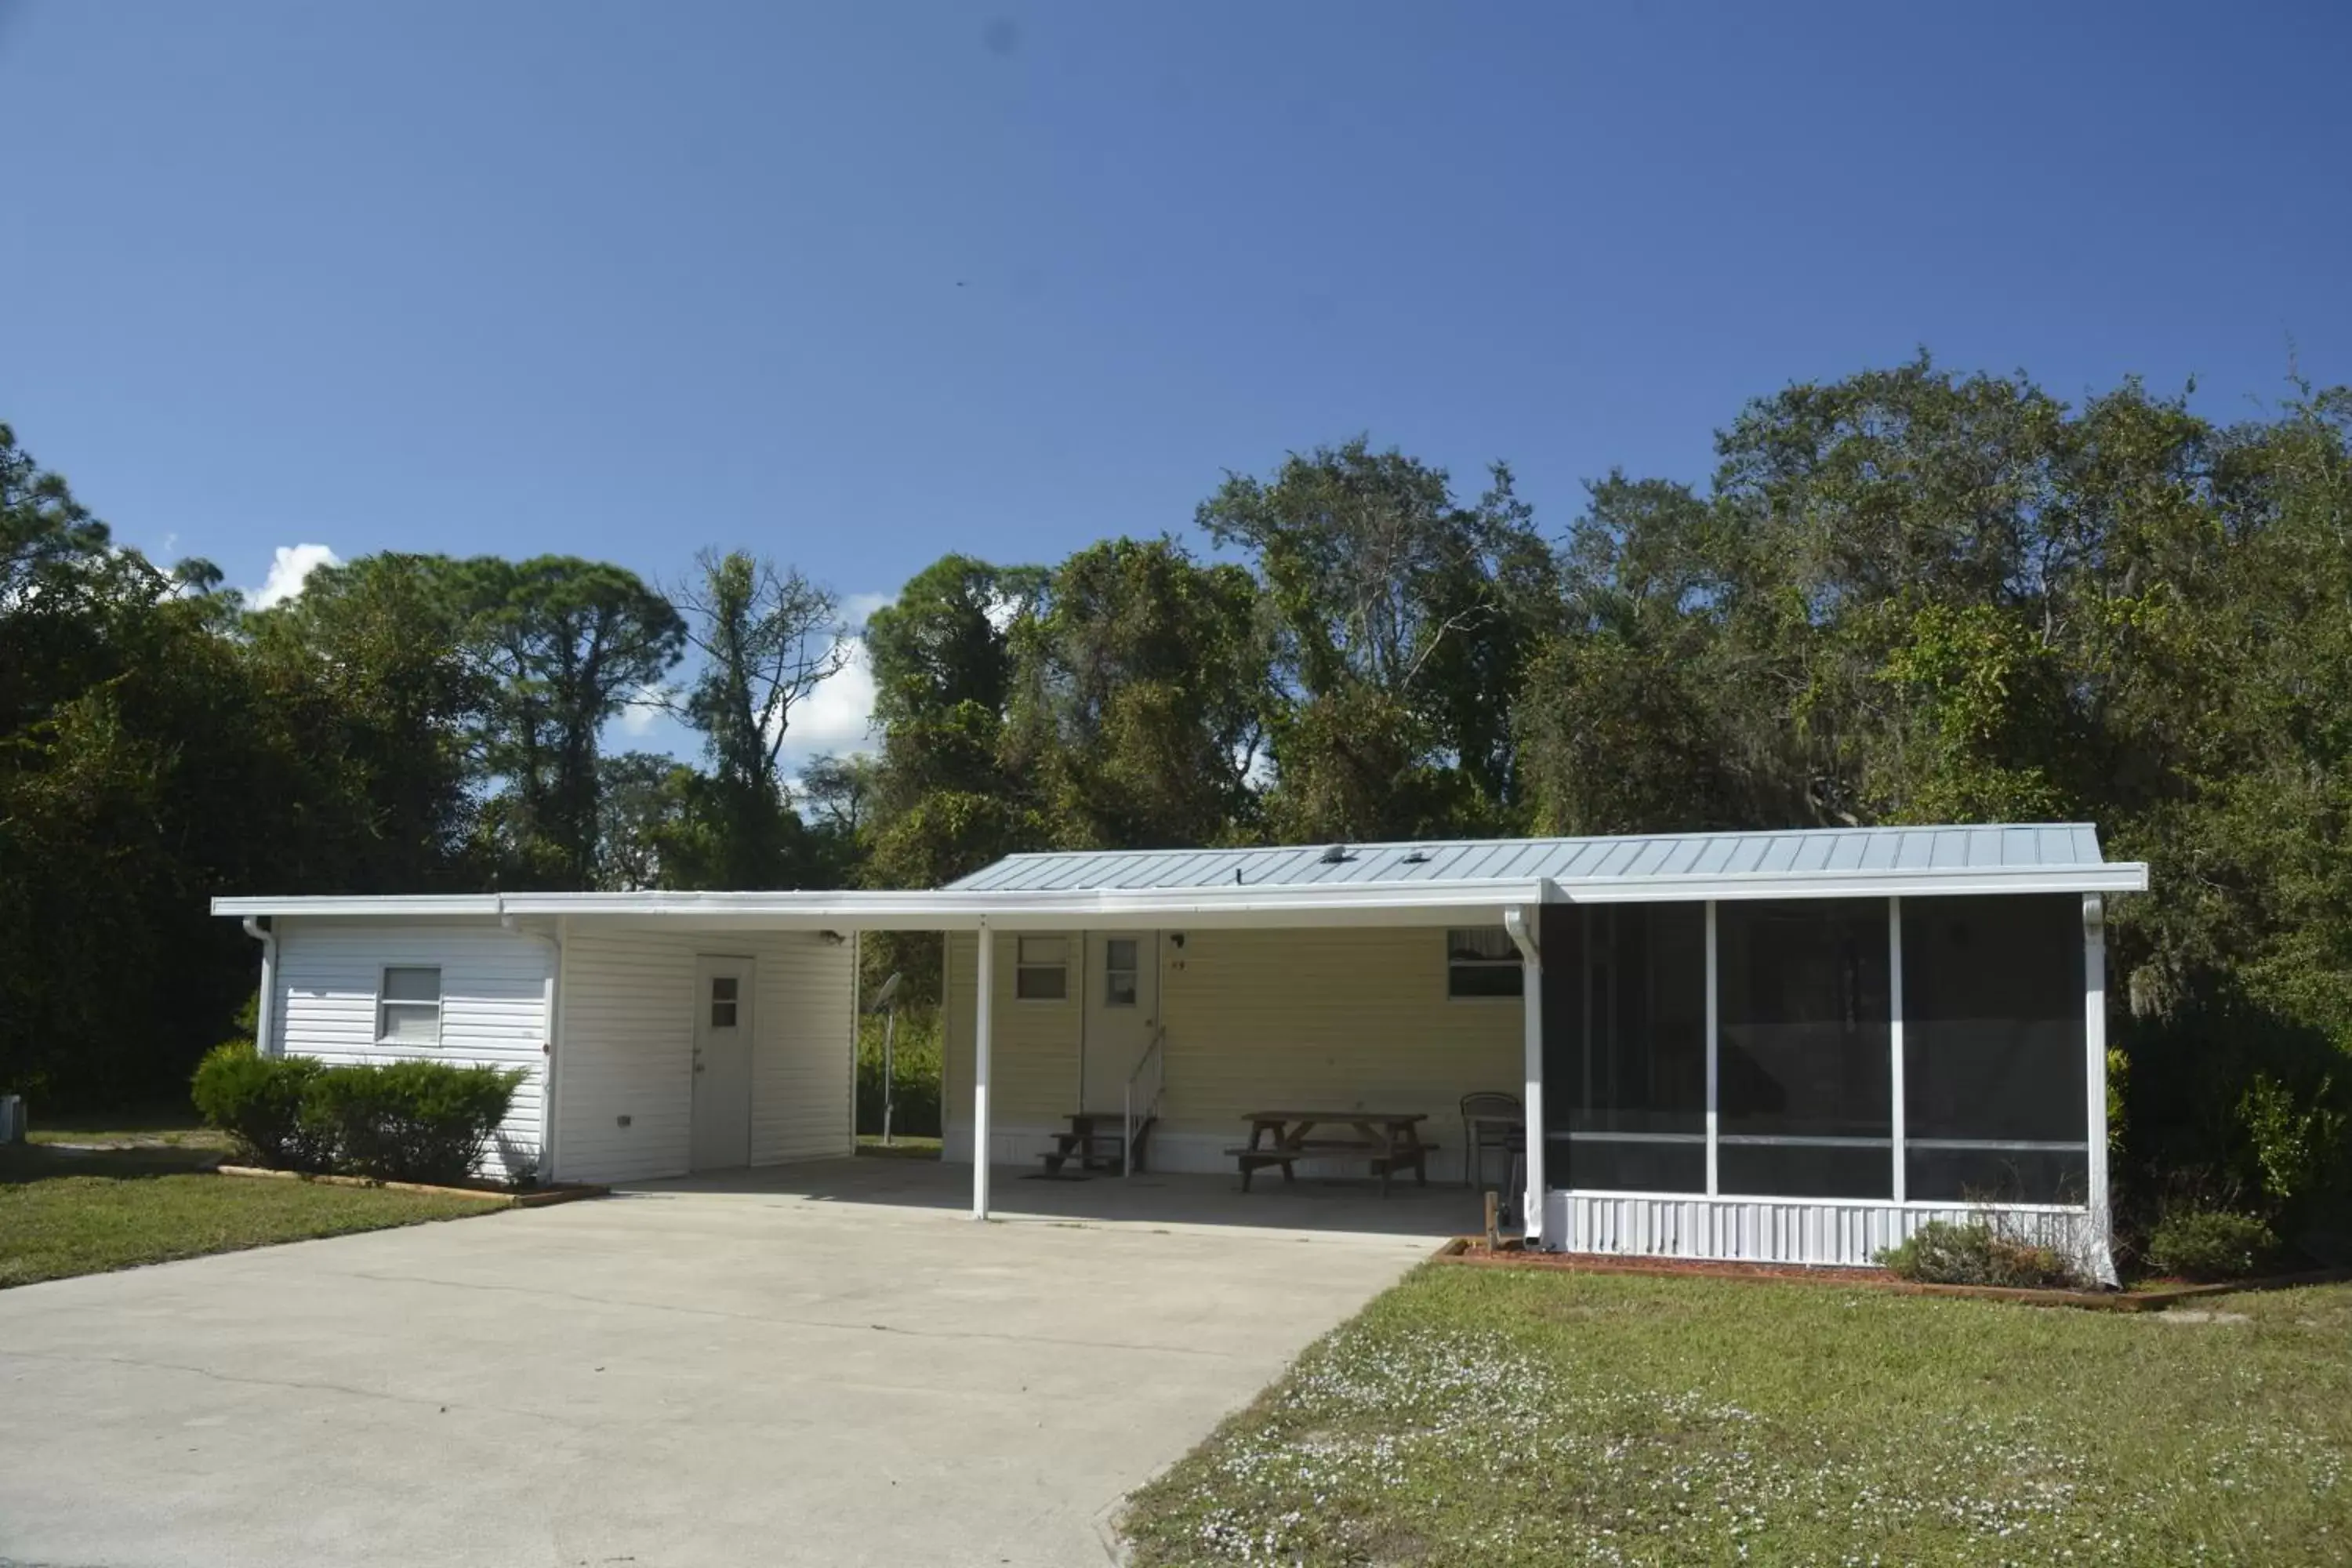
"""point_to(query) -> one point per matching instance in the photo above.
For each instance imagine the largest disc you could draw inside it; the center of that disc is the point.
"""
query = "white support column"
(1518, 922)
(1895, 1033)
(2094, 1082)
(983, 1026)
(1714, 1040)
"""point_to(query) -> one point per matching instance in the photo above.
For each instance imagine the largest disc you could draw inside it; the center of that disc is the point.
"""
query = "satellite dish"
(890, 991)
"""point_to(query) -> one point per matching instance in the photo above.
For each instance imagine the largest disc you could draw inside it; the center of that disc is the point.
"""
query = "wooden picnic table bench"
(1389, 1140)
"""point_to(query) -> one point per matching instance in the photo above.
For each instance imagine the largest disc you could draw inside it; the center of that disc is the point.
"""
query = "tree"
(568, 643)
(369, 662)
(1403, 622)
(1140, 694)
(767, 638)
(944, 802)
(650, 806)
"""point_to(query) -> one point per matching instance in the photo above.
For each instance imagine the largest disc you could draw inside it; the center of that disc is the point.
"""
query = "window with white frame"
(1119, 968)
(1483, 961)
(1041, 968)
(408, 1006)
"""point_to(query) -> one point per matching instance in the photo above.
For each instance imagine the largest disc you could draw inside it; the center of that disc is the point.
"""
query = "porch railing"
(1143, 1086)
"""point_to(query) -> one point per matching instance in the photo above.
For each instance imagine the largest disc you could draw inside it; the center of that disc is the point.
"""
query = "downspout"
(264, 1021)
(1532, 1199)
(552, 1016)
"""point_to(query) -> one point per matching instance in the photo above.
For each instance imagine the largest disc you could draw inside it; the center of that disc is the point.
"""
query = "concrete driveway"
(820, 1365)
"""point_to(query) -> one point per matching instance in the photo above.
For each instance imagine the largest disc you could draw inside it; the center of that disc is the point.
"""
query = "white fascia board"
(377, 905)
(1425, 904)
(1047, 909)
(1340, 904)
(2116, 876)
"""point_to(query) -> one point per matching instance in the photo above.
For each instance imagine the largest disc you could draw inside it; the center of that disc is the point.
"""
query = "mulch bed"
(1473, 1251)
(512, 1198)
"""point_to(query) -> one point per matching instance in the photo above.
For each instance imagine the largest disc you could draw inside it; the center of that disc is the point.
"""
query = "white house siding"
(493, 1005)
(1307, 1019)
(1784, 1230)
(625, 1081)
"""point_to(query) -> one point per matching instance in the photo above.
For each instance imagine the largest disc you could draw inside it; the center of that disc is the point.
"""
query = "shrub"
(257, 1100)
(2210, 1244)
(403, 1121)
(408, 1121)
(1977, 1253)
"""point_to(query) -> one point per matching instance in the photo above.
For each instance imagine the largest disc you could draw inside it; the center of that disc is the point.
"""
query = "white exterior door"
(722, 1063)
(1122, 1008)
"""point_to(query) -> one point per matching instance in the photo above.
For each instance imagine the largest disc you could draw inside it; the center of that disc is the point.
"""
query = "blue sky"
(859, 285)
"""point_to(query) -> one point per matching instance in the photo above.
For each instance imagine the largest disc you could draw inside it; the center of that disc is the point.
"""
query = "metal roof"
(1452, 881)
(2062, 854)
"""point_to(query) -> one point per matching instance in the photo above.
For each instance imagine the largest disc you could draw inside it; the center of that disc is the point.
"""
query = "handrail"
(1156, 1059)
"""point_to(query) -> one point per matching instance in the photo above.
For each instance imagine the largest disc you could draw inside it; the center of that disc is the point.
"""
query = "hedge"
(406, 1121)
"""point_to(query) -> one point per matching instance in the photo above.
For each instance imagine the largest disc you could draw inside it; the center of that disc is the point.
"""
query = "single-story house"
(1779, 1046)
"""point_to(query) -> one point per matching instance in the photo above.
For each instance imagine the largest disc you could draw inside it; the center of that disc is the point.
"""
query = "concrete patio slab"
(808, 1364)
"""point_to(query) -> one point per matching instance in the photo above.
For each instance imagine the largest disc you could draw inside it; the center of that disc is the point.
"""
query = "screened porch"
(1762, 1078)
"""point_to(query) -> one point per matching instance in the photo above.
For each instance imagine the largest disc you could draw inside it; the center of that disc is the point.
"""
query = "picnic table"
(1389, 1140)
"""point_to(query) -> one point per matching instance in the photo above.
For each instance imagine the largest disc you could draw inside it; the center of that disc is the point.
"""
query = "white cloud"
(856, 608)
(293, 567)
(642, 711)
(836, 715)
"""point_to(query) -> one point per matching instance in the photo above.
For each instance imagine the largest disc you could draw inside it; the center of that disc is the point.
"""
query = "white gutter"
(264, 1021)
(551, 1016)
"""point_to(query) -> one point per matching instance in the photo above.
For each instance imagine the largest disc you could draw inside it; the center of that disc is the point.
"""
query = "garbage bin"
(12, 1118)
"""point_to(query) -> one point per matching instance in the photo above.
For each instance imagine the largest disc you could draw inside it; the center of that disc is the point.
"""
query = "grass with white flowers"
(1491, 1417)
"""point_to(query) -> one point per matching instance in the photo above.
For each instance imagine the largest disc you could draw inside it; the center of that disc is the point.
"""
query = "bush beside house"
(2204, 1244)
(406, 1121)
(1977, 1253)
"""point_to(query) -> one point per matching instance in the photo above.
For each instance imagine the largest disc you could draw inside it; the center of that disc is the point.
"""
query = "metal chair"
(1489, 1120)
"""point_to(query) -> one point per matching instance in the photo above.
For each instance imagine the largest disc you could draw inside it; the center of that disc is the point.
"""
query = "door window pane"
(1805, 1094)
(1118, 972)
(1993, 1074)
(723, 999)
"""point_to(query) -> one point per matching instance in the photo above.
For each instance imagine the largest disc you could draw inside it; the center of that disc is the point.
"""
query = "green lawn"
(64, 1214)
(161, 1126)
(900, 1147)
(1485, 1416)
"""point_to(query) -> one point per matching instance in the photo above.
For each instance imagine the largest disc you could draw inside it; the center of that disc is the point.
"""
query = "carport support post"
(1531, 1201)
(983, 1026)
(2094, 1080)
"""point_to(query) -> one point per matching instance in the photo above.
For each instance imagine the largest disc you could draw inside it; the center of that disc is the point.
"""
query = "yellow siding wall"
(1035, 1050)
(1348, 1019)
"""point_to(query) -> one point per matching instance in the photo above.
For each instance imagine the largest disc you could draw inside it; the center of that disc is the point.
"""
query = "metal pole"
(1520, 922)
(983, 1029)
(2094, 1082)
(889, 1041)
(1897, 1121)
(1714, 1057)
